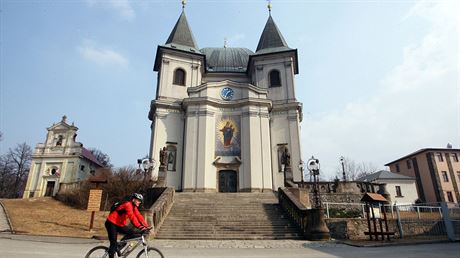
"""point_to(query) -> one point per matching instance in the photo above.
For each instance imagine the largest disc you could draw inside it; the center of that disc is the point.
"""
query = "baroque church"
(59, 163)
(227, 117)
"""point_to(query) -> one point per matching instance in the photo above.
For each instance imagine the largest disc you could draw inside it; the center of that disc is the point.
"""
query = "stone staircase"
(227, 216)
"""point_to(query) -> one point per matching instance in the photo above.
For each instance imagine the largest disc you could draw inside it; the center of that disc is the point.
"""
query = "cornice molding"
(242, 85)
(226, 104)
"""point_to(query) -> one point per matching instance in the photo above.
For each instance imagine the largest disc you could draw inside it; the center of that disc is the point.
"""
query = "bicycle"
(129, 245)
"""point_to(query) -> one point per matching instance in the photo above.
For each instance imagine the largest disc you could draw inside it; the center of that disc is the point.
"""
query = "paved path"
(14, 246)
(4, 225)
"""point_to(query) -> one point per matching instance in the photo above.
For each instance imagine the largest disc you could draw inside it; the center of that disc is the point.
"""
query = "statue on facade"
(286, 158)
(163, 156)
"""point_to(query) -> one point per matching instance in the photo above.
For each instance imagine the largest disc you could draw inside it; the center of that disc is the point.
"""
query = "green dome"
(226, 59)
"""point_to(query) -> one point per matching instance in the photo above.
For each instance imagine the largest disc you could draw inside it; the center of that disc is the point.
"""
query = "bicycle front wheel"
(152, 252)
(98, 252)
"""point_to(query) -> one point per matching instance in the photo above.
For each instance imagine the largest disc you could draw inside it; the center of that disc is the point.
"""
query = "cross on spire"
(184, 2)
(269, 6)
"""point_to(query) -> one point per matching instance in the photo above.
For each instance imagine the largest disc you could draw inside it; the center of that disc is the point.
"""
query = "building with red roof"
(59, 163)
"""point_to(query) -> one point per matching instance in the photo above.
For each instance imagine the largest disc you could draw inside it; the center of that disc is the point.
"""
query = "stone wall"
(342, 192)
(354, 228)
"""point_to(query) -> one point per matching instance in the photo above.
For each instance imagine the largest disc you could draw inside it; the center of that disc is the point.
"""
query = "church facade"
(228, 118)
(59, 163)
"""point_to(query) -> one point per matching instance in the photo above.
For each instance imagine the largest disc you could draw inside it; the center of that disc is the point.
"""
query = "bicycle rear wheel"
(98, 252)
(152, 252)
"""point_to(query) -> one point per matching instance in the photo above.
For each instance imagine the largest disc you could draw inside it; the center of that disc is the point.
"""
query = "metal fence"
(421, 220)
(454, 215)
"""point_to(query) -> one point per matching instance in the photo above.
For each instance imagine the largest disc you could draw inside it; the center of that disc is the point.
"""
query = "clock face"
(226, 93)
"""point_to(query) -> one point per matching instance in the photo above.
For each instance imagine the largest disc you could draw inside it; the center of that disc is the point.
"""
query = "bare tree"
(354, 170)
(14, 168)
(6, 166)
(102, 157)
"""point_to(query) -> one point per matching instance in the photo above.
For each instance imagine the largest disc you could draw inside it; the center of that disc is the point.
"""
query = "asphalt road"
(68, 248)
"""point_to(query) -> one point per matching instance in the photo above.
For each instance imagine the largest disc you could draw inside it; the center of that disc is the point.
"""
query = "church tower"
(273, 67)
(228, 117)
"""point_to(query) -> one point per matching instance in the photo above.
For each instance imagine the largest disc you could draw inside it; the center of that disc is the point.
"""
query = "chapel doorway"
(228, 181)
(49, 188)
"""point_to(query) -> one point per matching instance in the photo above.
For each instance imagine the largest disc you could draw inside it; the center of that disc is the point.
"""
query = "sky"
(377, 79)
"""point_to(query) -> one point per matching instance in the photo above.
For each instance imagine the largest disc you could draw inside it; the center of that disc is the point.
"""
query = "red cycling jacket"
(127, 211)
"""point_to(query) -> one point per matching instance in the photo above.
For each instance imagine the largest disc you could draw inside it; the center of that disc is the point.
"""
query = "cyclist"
(117, 221)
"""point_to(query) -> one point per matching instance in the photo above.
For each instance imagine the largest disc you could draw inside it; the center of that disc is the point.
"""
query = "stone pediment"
(227, 91)
(61, 126)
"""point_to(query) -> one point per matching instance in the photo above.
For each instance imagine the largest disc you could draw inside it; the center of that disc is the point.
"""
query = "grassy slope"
(46, 216)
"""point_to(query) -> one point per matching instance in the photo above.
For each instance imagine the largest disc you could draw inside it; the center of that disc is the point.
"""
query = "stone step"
(230, 237)
(227, 216)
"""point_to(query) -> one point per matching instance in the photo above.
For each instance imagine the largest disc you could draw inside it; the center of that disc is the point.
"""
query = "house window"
(179, 77)
(409, 164)
(445, 178)
(454, 157)
(398, 191)
(439, 155)
(397, 168)
(450, 197)
(274, 78)
(458, 176)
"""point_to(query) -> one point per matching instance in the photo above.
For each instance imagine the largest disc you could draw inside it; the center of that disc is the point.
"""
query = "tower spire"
(181, 33)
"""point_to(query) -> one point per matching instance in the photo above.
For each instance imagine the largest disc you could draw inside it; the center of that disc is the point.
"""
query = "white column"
(190, 153)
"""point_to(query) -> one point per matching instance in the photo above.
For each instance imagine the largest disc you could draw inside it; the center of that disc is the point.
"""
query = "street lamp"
(301, 168)
(316, 225)
(342, 160)
(313, 166)
(147, 165)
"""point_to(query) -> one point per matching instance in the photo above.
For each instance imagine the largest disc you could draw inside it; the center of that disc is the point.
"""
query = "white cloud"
(418, 105)
(123, 7)
(99, 55)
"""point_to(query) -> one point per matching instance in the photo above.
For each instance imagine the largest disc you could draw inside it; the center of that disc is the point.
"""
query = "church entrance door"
(227, 181)
(49, 188)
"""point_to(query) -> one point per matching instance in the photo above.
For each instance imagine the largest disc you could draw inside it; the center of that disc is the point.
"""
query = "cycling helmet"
(138, 196)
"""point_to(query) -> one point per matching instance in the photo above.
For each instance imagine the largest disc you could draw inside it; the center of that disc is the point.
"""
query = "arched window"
(274, 78)
(59, 140)
(179, 77)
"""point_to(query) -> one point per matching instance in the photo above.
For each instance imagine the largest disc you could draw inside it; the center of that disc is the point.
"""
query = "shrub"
(76, 197)
(121, 183)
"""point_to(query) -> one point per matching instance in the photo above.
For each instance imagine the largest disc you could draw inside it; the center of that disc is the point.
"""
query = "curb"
(50, 239)
(386, 244)
(7, 219)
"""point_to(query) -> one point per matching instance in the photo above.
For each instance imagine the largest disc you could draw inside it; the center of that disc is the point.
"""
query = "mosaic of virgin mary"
(227, 137)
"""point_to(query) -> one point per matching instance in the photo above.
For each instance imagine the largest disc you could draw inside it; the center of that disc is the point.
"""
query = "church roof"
(181, 36)
(89, 156)
(226, 59)
(271, 39)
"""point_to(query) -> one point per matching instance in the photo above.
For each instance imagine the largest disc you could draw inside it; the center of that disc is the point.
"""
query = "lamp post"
(316, 225)
(147, 164)
(301, 168)
(313, 166)
(342, 160)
